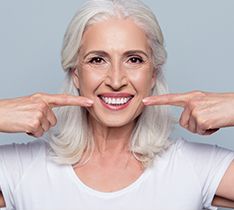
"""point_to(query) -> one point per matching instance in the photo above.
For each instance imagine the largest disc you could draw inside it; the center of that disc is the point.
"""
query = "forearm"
(2, 116)
(8, 116)
(2, 201)
(222, 202)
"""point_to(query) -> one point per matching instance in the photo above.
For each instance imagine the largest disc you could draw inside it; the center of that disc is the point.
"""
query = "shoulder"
(198, 155)
(23, 149)
(16, 160)
(204, 160)
(20, 156)
(185, 147)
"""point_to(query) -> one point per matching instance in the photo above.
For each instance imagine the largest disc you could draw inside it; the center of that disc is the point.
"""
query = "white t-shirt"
(185, 177)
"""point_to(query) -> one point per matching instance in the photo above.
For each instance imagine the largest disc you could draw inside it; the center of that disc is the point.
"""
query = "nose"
(116, 77)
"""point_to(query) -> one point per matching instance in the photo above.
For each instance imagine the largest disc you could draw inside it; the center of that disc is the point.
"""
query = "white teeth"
(115, 101)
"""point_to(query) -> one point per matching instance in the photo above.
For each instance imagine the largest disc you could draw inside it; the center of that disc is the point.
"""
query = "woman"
(111, 148)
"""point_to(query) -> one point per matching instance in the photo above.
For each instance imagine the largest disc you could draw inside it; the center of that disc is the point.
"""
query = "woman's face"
(115, 70)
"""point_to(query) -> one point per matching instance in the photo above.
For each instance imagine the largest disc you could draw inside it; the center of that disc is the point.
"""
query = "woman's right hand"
(33, 114)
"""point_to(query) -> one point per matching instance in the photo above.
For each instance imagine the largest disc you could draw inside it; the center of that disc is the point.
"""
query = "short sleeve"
(15, 159)
(210, 163)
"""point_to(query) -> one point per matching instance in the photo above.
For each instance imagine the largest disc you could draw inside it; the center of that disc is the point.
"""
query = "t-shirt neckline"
(92, 191)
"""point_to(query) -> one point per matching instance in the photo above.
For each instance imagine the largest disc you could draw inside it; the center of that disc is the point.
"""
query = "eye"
(96, 60)
(136, 60)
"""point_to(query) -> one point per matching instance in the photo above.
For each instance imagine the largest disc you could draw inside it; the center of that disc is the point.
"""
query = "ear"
(153, 79)
(75, 77)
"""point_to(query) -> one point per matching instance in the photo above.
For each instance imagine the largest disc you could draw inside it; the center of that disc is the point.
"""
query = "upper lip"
(116, 95)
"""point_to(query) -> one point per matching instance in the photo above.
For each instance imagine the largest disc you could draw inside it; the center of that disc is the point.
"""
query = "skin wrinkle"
(105, 54)
(111, 140)
(114, 144)
(107, 45)
(114, 42)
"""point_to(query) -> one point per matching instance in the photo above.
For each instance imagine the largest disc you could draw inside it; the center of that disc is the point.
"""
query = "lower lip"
(115, 107)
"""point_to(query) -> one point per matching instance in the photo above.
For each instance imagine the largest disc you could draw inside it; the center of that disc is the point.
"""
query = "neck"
(114, 140)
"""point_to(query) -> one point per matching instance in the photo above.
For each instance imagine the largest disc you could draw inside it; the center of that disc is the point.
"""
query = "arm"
(226, 186)
(2, 202)
(33, 114)
(205, 113)
(222, 202)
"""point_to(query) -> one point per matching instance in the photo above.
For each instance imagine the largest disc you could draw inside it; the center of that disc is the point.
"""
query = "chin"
(110, 120)
(115, 118)
(116, 124)
(113, 122)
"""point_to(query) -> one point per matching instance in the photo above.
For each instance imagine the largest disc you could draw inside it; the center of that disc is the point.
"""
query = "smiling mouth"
(115, 100)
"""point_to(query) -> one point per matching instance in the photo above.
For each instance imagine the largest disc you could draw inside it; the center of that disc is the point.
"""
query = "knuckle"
(37, 98)
(47, 125)
(193, 104)
(54, 122)
(183, 123)
(39, 114)
(42, 106)
(35, 125)
(208, 125)
(198, 93)
(29, 128)
(203, 124)
(38, 134)
(200, 120)
(196, 99)
(45, 129)
(195, 113)
(37, 95)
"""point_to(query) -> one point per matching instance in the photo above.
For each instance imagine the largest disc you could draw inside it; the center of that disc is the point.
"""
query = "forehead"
(114, 35)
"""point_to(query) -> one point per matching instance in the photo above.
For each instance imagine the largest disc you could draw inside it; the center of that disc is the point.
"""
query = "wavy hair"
(72, 137)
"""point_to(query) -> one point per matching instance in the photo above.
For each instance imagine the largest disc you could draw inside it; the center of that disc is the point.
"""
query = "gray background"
(199, 40)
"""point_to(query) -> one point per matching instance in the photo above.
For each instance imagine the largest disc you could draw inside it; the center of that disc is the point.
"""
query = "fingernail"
(145, 101)
(89, 102)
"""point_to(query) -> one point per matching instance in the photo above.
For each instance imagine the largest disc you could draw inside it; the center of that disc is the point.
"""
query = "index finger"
(56, 100)
(168, 99)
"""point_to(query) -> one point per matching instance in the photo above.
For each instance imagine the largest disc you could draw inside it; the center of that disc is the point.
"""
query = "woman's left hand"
(204, 113)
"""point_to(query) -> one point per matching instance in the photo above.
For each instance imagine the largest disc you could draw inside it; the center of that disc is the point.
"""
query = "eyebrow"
(105, 54)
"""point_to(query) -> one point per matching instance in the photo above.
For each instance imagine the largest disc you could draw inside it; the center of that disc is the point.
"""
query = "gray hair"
(72, 138)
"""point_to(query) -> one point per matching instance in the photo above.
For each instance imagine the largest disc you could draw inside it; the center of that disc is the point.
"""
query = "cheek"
(89, 81)
(142, 81)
